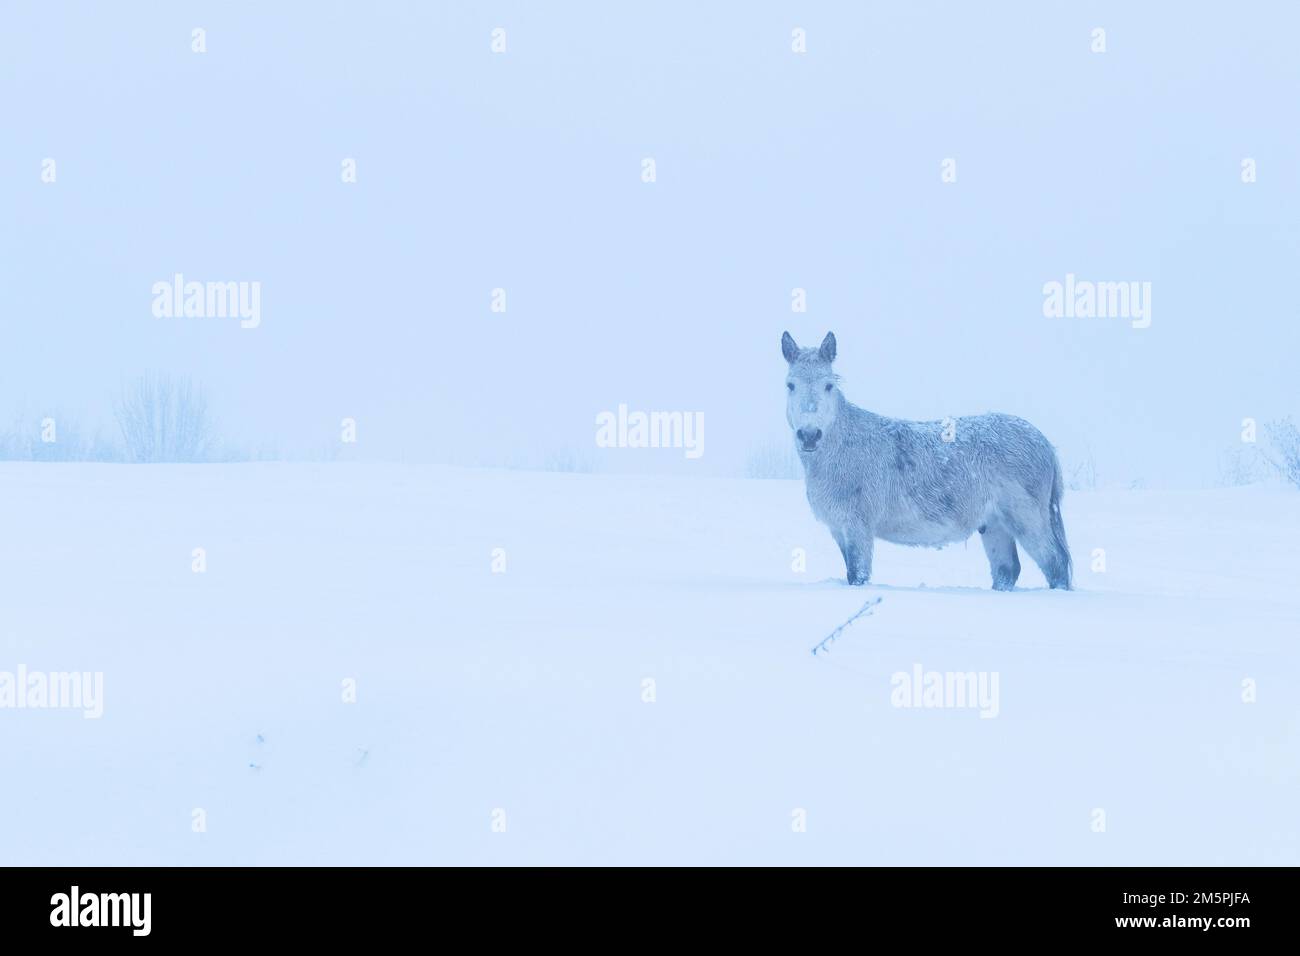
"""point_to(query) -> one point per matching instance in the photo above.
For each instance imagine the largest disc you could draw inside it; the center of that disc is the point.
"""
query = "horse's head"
(812, 392)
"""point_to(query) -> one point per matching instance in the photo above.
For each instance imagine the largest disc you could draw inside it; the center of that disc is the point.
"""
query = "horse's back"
(1011, 450)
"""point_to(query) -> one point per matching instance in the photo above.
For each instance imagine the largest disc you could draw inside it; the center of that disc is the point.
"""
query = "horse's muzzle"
(809, 437)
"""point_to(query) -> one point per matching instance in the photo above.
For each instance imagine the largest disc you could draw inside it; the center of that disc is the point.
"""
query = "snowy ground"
(523, 690)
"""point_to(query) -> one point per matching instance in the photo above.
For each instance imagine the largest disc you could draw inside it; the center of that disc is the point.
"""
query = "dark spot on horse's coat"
(982, 529)
(903, 458)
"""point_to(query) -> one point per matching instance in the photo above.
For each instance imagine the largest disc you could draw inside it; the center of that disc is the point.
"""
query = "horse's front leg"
(857, 542)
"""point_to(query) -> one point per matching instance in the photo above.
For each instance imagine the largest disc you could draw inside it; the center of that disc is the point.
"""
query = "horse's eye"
(829, 386)
(790, 386)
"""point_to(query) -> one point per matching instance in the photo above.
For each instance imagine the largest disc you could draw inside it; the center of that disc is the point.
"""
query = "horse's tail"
(1058, 529)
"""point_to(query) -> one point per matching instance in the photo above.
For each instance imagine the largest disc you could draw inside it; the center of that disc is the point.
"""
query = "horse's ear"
(788, 348)
(827, 351)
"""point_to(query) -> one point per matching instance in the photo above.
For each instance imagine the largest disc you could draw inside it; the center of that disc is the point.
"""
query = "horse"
(923, 483)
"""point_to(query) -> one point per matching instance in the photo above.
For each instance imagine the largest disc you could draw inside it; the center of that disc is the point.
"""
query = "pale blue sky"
(775, 170)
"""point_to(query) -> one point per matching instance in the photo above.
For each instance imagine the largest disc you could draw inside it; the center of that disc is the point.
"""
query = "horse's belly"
(924, 534)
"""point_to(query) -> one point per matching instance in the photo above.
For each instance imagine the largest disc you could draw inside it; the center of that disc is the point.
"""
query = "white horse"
(920, 483)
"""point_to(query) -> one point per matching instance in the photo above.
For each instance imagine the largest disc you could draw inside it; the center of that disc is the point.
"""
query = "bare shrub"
(55, 437)
(773, 460)
(569, 460)
(1240, 465)
(1082, 475)
(1284, 449)
(165, 419)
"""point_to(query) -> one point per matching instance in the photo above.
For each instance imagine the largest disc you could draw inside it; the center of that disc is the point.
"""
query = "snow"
(522, 691)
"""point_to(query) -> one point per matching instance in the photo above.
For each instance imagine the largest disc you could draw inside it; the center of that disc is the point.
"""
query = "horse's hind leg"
(1000, 546)
(1036, 536)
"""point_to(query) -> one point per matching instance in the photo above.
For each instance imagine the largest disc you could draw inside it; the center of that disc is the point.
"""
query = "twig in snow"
(824, 643)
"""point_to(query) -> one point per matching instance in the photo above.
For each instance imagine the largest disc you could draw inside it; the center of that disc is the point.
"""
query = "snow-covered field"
(524, 691)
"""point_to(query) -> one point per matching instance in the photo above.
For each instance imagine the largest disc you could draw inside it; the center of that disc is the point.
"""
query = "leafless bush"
(11, 447)
(569, 460)
(57, 437)
(1082, 475)
(165, 419)
(773, 460)
(1284, 449)
(54, 437)
(1240, 465)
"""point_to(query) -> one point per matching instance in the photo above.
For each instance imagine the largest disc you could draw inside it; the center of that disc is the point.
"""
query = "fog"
(774, 170)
